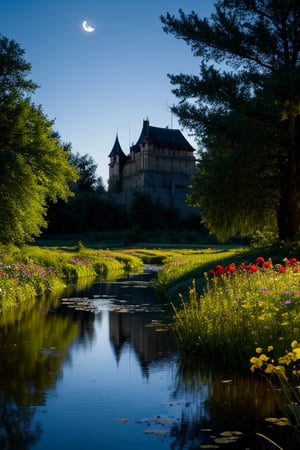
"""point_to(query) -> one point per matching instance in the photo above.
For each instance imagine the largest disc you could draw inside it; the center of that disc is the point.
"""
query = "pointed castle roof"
(117, 150)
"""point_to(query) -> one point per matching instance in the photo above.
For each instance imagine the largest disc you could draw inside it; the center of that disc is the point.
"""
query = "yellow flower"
(270, 368)
(258, 350)
(280, 370)
(294, 344)
(296, 354)
(270, 348)
(286, 359)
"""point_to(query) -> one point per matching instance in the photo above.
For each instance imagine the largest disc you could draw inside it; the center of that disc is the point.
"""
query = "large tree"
(244, 108)
(34, 163)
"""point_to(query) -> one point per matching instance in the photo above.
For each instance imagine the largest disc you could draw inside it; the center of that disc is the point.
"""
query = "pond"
(96, 368)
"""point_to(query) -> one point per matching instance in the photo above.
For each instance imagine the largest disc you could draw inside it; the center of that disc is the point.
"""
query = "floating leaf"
(122, 419)
(231, 433)
(282, 421)
(226, 440)
(209, 446)
(271, 419)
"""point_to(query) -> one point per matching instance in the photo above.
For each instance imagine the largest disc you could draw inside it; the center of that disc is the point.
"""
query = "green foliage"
(243, 108)
(13, 72)
(34, 165)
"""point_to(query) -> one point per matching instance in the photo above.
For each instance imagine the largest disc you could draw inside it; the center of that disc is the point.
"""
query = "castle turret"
(117, 160)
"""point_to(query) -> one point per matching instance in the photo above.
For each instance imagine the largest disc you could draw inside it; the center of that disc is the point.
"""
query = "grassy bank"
(32, 271)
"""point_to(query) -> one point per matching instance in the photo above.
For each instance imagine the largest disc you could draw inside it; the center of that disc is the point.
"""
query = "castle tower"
(117, 160)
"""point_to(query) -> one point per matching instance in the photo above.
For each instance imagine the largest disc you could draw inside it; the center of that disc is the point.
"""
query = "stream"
(96, 368)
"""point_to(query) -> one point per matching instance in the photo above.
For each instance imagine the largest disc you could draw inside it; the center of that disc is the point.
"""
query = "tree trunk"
(288, 213)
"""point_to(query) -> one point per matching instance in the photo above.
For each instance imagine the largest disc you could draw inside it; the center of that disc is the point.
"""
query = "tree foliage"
(35, 166)
(244, 109)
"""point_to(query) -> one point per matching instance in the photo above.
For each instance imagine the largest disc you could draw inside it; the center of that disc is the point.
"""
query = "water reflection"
(33, 348)
(95, 368)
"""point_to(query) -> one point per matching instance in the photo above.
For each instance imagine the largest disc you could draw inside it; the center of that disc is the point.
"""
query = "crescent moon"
(87, 27)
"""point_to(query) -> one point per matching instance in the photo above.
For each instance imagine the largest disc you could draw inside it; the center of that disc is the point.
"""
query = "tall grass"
(238, 310)
(182, 266)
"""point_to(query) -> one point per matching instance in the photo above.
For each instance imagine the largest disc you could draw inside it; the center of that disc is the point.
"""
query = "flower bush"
(240, 306)
(260, 264)
(286, 366)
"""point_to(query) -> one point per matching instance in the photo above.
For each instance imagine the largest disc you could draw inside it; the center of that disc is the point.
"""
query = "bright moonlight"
(87, 27)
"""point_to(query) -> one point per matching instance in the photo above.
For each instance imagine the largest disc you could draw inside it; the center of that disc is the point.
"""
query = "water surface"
(97, 369)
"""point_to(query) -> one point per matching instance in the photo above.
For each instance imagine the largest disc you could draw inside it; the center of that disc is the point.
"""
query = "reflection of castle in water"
(138, 329)
(133, 318)
(150, 346)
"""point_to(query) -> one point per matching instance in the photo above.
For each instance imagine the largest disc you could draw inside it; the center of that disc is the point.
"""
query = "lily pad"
(226, 440)
(209, 446)
(281, 421)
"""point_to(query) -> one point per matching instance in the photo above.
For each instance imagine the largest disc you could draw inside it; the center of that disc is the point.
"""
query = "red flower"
(292, 261)
(267, 265)
(282, 269)
(231, 268)
(220, 269)
(243, 266)
(252, 268)
(260, 260)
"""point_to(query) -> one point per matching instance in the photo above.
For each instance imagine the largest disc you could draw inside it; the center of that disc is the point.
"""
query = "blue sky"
(95, 85)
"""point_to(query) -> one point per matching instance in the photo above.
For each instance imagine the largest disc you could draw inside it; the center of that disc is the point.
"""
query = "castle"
(160, 164)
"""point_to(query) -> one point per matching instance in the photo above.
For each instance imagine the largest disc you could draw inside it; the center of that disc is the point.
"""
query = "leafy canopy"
(244, 109)
(34, 164)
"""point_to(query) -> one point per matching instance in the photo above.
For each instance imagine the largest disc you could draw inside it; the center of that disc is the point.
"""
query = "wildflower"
(231, 268)
(264, 290)
(252, 268)
(267, 265)
(260, 260)
(243, 266)
(294, 344)
(296, 354)
(292, 261)
(286, 293)
(285, 302)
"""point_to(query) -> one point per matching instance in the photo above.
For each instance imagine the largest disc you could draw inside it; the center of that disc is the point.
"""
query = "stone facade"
(160, 164)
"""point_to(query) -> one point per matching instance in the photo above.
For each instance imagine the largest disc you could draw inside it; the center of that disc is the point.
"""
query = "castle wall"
(168, 189)
(162, 172)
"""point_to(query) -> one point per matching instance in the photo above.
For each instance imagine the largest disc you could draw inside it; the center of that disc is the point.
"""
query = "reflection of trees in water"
(16, 430)
(33, 349)
(217, 401)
